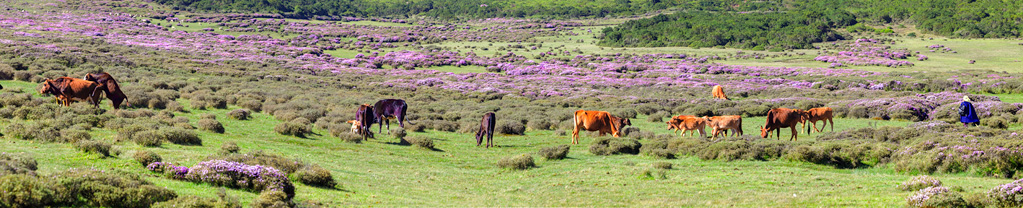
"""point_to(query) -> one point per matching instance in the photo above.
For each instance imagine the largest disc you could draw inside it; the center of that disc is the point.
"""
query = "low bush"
(510, 127)
(554, 152)
(181, 136)
(211, 125)
(936, 197)
(272, 199)
(611, 146)
(149, 138)
(539, 124)
(293, 128)
(17, 164)
(26, 191)
(262, 158)
(398, 133)
(239, 114)
(223, 200)
(417, 128)
(229, 147)
(517, 162)
(420, 141)
(1007, 195)
(144, 157)
(919, 182)
(95, 188)
(351, 137)
(99, 147)
(662, 165)
(314, 175)
(239, 175)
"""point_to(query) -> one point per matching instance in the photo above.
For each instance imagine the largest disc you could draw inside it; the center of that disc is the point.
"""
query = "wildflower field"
(250, 109)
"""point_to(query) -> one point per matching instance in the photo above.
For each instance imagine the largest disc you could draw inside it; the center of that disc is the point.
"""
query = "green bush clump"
(211, 125)
(293, 128)
(17, 164)
(315, 175)
(149, 138)
(100, 147)
(611, 146)
(229, 147)
(398, 133)
(223, 200)
(239, 114)
(181, 136)
(919, 182)
(517, 162)
(662, 165)
(419, 141)
(554, 152)
(272, 199)
(350, 137)
(417, 128)
(144, 157)
(90, 187)
(510, 127)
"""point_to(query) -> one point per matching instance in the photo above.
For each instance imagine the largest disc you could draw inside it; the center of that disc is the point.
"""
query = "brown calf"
(720, 124)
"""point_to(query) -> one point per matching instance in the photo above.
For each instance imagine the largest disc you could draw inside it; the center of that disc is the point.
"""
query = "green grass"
(382, 173)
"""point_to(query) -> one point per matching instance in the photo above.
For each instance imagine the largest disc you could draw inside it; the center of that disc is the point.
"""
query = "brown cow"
(719, 124)
(719, 93)
(67, 89)
(364, 115)
(688, 123)
(781, 118)
(109, 87)
(819, 114)
(600, 121)
(486, 129)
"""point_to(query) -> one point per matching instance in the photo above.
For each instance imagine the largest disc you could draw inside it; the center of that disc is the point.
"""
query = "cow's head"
(763, 132)
(355, 126)
(48, 88)
(89, 77)
(672, 123)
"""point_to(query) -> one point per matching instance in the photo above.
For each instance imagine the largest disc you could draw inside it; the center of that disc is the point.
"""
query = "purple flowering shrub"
(919, 182)
(1007, 195)
(239, 175)
(938, 196)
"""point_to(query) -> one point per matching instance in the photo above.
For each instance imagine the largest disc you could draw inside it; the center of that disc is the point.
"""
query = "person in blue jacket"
(967, 114)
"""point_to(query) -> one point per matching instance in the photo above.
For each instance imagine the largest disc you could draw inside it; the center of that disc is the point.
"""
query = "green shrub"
(610, 146)
(293, 128)
(222, 201)
(398, 133)
(229, 147)
(100, 147)
(271, 199)
(26, 191)
(90, 187)
(17, 164)
(555, 152)
(144, 157)
(314, 175)
(539, 124)
(517, 162)
(239, 114)
(919, 182)
(211, 125)
(149, 138)
(662, 165)
(510, 127)
(417, 127)
(181, 136)
(420, 141)
(350, 137)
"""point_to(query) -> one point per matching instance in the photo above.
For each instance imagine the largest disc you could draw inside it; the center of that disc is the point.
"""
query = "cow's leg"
(490, 139)
(479, 137)
(795, 134)
(575, 135)
(388, 122)
(779, 134)
(703, 135)
(832, 125)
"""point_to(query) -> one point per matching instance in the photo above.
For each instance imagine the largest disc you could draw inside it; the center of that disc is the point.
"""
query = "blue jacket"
(967, 113)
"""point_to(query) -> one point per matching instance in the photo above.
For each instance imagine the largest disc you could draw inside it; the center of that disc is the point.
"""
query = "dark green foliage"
(554, 152)
(149, 138)
(662, 165)
(293, 128)
(315, 175)
(99, 147)
(660, 148)
(144, 157)
(517, 162)
(181, 136)
(107, 188)
(539, 124)
(350, 137)
(239, 114)
(398, 133)
(510, 127)
(229, 147)
(222, 201)
(417, 128)
(612, 146)
(25, 191)
(419, 141)
(211, 125)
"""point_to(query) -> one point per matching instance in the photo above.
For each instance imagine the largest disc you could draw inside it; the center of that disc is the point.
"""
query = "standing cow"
(67, 89)
(781, 118)
(486, 129)
(600, 121)
(109, 87)
(719, 124)
(719, 93)
(387, 109)
(819, 114)
(364, 115)
(688, 123)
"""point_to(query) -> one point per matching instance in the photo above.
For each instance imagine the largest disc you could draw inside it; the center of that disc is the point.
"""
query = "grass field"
(382, 173)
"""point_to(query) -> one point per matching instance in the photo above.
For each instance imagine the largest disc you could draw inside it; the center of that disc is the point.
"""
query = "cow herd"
(67, 90)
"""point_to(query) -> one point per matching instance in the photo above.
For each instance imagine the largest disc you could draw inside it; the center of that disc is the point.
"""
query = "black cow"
(110, 87)
(486, 129)
(387, 109)
(365, 117)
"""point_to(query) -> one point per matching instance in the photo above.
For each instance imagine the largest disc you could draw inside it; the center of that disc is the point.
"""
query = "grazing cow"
(387, 109)
(600, 121)
(364, 115)
(688, 123)
(719, 93)
(486, 129)
(67, 89)
(1, 87)
(719, 124)
(819, 114)
(109, 87)
(356, 126)
(781, 118)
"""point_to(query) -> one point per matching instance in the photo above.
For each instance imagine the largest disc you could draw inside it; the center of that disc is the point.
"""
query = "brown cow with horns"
(600, 121)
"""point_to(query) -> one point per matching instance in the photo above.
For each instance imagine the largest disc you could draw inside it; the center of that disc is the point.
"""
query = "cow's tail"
(404, 115)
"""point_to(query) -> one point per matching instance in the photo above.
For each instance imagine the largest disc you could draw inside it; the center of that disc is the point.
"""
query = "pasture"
(894, 114)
